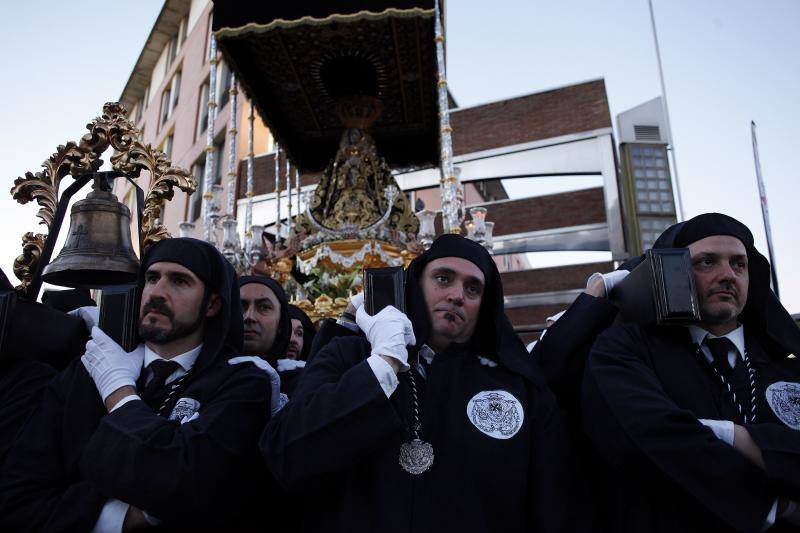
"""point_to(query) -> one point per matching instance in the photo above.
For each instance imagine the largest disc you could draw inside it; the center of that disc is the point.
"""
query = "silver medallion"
(416, 456)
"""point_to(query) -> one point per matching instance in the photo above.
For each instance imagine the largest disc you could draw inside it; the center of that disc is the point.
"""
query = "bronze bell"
(97, 252)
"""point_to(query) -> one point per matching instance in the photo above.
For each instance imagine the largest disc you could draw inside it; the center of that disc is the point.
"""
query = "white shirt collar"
(736, 336)
(427, 353)
(186, 359)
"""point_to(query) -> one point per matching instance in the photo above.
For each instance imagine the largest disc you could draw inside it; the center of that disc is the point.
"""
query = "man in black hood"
(432, 421)
(268, 330)
(164, 434)
(292, 365)
(267, 324)
(303, 333)
(699, 424)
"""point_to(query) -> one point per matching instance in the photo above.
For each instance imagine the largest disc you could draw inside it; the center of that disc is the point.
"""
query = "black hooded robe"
(282, 336)
(73, 456)
(645, 389)
(338, 440)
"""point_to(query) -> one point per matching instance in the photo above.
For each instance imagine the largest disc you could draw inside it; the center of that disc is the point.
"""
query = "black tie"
(719, 348)
(155, 392)
(737, 376)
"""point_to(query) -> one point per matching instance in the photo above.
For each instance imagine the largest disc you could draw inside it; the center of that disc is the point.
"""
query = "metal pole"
(666, 114)
(277, 191)
(248, 214)
(288, 195)
(297, 186)
(449, 182)
(762, 193)
(208, 176)
(233, 132)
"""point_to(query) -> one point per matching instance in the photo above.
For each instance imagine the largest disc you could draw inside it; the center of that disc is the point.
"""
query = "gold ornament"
(111, 129)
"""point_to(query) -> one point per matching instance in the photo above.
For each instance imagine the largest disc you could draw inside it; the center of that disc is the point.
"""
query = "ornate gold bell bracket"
(111, 129)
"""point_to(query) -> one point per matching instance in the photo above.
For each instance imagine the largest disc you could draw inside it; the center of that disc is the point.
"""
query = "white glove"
(90, 315)
(110, 366)
(357, 300)
(290, 364)
(388, 332)
(277, 400)
(610, 279)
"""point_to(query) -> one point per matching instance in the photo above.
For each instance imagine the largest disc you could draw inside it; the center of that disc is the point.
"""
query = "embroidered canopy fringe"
(253, 27)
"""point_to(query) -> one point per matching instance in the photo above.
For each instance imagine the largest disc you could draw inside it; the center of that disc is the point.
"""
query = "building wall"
(562, 111)
(189, 145)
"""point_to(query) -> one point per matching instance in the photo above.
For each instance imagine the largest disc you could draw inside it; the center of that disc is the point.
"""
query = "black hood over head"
(497, 339)
(763, 311)
(224, 332)
(281, 342)
(309, 331)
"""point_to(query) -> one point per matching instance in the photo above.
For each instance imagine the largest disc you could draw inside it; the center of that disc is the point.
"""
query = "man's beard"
(716, 316)
(722, 314)
(292, 351)
(157, 334)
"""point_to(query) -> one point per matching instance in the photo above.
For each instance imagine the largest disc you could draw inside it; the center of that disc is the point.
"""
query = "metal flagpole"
(233, 132)
(248, 214)
(297, 186)
(762, 193)
(208, 174)
(288, 196)
(449, 183)
(666, 113)
(277, 191)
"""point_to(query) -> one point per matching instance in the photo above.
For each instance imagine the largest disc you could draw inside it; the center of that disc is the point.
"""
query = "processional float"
(350, 91)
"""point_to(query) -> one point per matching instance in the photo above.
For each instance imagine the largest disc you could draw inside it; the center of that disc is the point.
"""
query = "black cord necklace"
(416, 455)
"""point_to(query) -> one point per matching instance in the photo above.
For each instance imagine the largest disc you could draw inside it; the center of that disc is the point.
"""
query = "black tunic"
(339, 438)
(21, 386)
(562, 355)
(73, 456)
(644, 390)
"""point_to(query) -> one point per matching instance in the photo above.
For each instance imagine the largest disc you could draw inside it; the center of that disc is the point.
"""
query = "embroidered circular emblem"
(783, 398)
(184, 408)
(496, 413)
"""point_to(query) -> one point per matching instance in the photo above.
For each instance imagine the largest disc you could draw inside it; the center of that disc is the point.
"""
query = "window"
(208, 37)
(198, 171)
(223, 84)
(653, 194)
(166, 98)
(166, 147)
(196, 199)
(172, 52)
(169, 99)
(137, 111)
(202, 110)
(174, 45)
(651, 228)
(182, 30)
(219, 155)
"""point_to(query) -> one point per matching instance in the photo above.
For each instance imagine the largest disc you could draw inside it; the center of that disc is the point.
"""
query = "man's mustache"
(727, 288)
(452, 310)
(157, 306)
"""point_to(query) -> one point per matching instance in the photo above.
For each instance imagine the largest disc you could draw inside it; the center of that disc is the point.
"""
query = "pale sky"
(726, 62)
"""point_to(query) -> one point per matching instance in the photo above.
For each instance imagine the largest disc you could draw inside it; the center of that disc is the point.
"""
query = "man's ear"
(214, 305)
